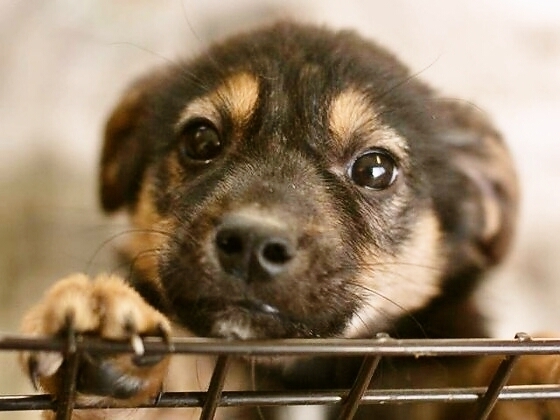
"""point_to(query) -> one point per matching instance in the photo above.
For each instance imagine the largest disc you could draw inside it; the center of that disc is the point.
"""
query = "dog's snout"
(253, 249)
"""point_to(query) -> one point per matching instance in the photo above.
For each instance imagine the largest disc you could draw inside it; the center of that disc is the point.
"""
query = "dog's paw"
(108, 308)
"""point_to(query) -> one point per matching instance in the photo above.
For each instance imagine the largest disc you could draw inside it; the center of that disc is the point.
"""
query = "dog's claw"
(42, 364)
(33, 372)
(158, 397)
(137, 345)
(143, 360)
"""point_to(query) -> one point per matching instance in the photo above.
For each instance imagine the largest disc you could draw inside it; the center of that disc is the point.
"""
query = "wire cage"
(372, 351)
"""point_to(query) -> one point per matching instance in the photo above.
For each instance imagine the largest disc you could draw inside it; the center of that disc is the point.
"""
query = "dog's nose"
(253, 249)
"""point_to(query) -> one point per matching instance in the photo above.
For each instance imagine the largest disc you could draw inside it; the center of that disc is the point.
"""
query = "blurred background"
(64, 63)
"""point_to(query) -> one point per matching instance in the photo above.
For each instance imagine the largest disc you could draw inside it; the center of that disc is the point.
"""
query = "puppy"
(291, 182)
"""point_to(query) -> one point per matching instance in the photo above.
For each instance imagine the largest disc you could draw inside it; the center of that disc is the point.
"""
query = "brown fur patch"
(238, 96)
(150, 233)
(392, 286)
(352, 114)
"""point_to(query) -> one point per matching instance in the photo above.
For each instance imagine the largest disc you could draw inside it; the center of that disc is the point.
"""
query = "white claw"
(48, 362)
(137, 344)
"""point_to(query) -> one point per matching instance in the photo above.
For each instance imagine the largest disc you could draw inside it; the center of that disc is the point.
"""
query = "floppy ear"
(487, 192)
(126, 149)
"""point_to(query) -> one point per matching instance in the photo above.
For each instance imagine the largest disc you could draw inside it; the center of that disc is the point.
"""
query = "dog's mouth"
(258, 307)
(248, 319)
(240, 318)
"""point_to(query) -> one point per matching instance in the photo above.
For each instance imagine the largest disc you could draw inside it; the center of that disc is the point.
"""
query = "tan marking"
(176, 171)
(351, 113)
(149, 235)
(396, 285)
(49, 318)
(238, 96)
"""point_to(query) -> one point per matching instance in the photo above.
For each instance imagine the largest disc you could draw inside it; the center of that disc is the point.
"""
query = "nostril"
(229, 242)
(277, 252)
(274, 255)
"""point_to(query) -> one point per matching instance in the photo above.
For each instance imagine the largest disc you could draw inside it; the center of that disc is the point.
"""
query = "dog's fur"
(291, 182)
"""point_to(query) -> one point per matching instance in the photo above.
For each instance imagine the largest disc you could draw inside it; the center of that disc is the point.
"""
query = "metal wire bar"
(371, 349)
(215, 388)
(293, 347)
(490, 397)
(354, 398)
(380, 396)
(499, 380)
(276, 398)
(65, 401)
(363, 379)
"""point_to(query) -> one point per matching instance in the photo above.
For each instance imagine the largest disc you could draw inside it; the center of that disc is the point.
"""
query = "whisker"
(382, 264)
(407, 79)
(167, 60)
(189, 24)
(260, 413)
(460, 100)
(404, 311)
(117, 236)
(207, 52)
(130, 264)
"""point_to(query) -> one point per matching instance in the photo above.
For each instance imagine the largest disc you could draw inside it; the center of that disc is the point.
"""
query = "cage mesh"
(482, 399)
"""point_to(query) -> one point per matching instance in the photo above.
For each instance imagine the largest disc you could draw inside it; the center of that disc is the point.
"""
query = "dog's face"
(294, 182)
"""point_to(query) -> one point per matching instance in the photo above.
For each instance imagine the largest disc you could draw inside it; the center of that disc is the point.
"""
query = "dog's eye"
(200, 140)
(374, 170)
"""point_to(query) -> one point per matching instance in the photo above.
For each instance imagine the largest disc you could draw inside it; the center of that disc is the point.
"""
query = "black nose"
(253, 249)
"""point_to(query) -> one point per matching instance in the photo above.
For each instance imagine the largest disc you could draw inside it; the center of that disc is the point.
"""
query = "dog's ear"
(485, 190)
(125, 149)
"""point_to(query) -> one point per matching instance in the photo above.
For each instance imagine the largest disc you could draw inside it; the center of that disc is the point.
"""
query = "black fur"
(281, 163)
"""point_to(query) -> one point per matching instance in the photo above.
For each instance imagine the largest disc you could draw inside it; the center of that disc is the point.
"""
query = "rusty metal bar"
(65, 401)
(291, 347)
(354, 398)
(499, 380)
(215, 388)
(490, 397)
(371, 349)
(277, 398)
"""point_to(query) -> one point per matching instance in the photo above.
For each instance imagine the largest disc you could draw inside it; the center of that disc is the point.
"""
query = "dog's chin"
(241, 320)
(248, 319)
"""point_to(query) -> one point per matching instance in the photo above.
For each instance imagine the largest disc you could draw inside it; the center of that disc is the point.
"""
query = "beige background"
(63, 64)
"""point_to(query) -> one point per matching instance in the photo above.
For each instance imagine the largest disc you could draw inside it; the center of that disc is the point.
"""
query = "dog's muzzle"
(253, 248)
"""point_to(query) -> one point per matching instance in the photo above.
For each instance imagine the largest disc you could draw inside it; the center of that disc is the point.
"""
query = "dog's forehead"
(300, 97)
